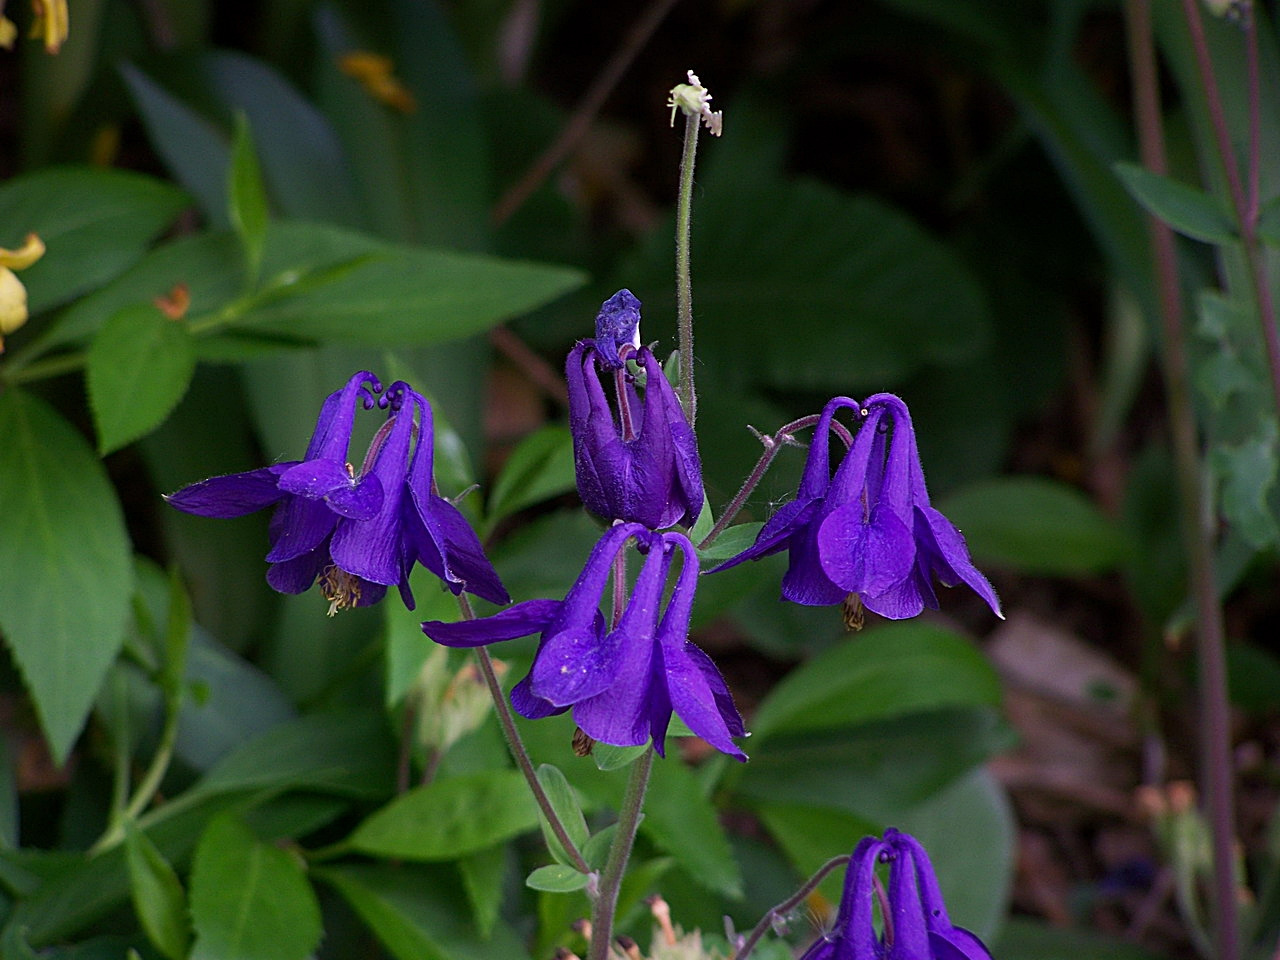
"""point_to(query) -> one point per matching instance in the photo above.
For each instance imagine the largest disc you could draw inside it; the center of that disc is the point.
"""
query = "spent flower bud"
(694, 100)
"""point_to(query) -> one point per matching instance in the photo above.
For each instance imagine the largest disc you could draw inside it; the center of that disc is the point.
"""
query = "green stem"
(602, 914)
(772, 446)
(518, 751)
(1197, 535)
(684, 282)
(44, 369)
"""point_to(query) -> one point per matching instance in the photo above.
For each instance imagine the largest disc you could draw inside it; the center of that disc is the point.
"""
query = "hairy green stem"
(786, 906)
(1197, 536)
(619, 853)
(773, 444)
(684, 282)
(508, 722)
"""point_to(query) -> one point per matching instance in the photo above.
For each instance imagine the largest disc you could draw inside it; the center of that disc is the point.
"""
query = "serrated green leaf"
(248, 197)
(450, 818)
(249, 900)
(888, 671)
(1247, 472)
(1188, 210)
(556, 878)
(94, 224)
(540, 467)
(568, 812)
(731, 542)
(1035, 525)
(139, 367)
(419, 914)
(158, 898)
(65, 571)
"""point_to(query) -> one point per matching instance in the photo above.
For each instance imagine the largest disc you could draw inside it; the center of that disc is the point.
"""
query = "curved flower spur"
(622, 682)
(915, 922)
(640, 463)
(867, 535)
(358, 533)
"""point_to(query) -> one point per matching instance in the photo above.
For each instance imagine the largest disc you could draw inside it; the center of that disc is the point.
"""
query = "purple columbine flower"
(624, 681)
(636, 461)
(358, 533)
(916, 925)
(867, 536)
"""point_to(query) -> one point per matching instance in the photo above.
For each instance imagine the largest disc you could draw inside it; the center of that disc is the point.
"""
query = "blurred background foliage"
(911, 195)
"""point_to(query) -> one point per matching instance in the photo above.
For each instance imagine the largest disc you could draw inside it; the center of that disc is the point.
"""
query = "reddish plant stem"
(1197, 536)
(786, 906)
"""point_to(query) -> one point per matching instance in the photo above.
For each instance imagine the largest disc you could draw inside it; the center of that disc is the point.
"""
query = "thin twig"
(1215, 735)
(786, 906)
(619, 853)
(580, 121)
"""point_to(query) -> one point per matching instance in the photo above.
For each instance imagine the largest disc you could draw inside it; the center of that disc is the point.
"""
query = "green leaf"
(1269, 222)
(731, 542)
(344, 752)
(94, 224)
(194, 150)
(567, 810)
(540, 467)
(682, 821)
(450, 818)
(609, 757)
(139, 367)
(157, 895)
(387, 294)
(250, 900)
(1188, 210)
(248, 198)
(208, 265)
(65, 572)
(888, 671)
(556, 878)
(419, 914)
(482, 876)
(1247, 472)
(811, 836)
(874, 770)
(1035, 525)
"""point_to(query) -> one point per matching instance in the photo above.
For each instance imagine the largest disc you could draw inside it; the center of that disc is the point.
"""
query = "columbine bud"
(694, 100)
(13, 295)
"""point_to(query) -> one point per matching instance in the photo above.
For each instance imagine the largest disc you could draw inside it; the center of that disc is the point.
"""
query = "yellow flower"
(51, 24)
(8, 33)
(13, 295)
(374, 72)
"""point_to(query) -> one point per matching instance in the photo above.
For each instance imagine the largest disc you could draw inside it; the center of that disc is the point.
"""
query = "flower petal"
(865, 556)
(520, 620)
(328, 480)
(776, 533)
(297, 574)
(948, 555)
(298, 526)
(232, 495)
(531, 707)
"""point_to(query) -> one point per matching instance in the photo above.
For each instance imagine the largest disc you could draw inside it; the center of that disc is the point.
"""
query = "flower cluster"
(623, 680)
(867, 535)
(358, 533)
(915, 921)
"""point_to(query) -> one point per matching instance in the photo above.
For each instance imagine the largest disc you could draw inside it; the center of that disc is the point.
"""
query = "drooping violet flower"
(867, 536)
(636, 460)
(357, 533)
(916, 925)
(623, 681)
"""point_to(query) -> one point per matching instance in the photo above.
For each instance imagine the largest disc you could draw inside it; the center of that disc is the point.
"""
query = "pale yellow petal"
(32, 249)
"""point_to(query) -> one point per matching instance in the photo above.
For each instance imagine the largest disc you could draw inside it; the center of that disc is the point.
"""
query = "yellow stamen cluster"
(340, 588)
(852, 612)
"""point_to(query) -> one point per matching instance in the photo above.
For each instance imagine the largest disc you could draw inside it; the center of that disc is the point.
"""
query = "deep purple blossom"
(916, 926)
(623, 681)
(636, 460)
(867, 534)
(358, 533)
